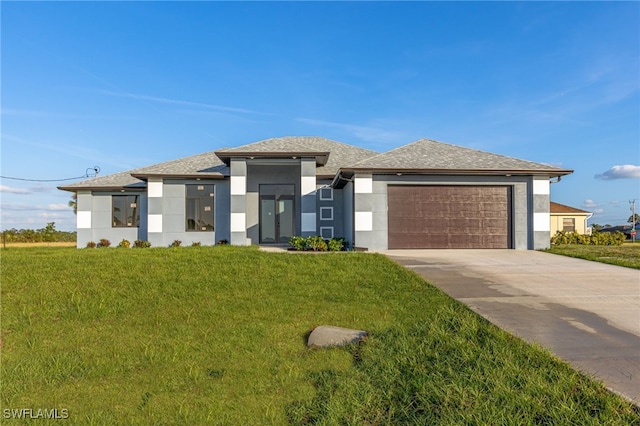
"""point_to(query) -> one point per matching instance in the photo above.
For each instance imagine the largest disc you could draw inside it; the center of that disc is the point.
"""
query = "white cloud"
(180, 102)
(590, 204)
(57, 207)
(626, 171)
(54, 207)
(12, 190)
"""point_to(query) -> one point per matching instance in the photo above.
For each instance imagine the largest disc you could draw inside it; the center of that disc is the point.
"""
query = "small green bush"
(223, 242)
(175, 243)
(298, 243)
(595, 239)
(91, 244)
(141, 244)
(104, 243)
(124, 244)
(336, 244)
(196, 244)
(316, 243)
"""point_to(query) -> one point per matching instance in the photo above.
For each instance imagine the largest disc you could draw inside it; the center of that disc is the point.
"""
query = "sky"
(120, 85)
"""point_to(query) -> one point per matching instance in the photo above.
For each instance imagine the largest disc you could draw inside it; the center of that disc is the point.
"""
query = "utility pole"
(633, 220)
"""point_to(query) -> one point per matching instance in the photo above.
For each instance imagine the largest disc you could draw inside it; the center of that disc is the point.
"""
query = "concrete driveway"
(585, 312)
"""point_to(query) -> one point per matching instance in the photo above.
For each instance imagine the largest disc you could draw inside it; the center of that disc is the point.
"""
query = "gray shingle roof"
(205, 165)
(426, 154)
(116, 180)
(341, 154)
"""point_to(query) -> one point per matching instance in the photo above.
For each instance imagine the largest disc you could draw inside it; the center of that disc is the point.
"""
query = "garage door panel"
(433, 216)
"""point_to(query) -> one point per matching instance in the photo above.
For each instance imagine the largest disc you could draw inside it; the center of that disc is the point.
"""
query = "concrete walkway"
(585, 312)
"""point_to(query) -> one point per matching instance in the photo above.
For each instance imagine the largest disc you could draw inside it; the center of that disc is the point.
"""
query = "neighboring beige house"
(566, 218)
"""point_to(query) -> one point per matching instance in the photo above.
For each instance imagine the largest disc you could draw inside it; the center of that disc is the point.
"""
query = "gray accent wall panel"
(238, 203)
(520, 216)
(347, 199)
(541, 240)
(84, 201)
(541, 203)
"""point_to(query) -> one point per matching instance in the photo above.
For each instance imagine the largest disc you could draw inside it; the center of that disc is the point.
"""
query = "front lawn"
(216, 335)
(628, 254)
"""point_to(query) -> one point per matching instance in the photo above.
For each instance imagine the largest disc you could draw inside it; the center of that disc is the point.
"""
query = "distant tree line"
(47, 234)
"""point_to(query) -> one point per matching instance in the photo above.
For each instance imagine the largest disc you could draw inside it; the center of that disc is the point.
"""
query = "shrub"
(316, 243)
(141, 244)
(595, 239)
(336, 244)
(298, 243)
(91, 244)
(175, 243)
(195, 244)
(124, 244)
(223, 242)
(104, 242)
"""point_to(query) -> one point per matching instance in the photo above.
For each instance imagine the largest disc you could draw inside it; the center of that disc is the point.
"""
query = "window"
(326, 213)
(326, 193)
(126, 212)
(199, 207)
(568, 224)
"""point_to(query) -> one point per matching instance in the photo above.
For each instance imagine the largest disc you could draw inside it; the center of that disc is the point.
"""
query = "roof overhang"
(345, 175)
(146, 176)
(137, 188)
(320, 157)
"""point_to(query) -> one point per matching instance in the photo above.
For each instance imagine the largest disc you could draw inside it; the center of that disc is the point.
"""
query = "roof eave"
(320, 156)
(490, 172)
(103, 188)
(146, 176)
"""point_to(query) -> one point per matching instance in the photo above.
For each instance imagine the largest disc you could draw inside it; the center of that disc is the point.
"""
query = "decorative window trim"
(328, 229)
(322, 192)
(330, 210)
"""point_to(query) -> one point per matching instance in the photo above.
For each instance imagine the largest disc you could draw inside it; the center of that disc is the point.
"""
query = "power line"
(89, 173)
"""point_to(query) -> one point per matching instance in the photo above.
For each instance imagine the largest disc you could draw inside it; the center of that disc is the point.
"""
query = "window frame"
(134, 212)
(201, 202)
(569, 227)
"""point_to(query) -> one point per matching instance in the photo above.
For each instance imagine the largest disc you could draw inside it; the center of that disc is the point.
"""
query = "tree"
(73, 203)
(635, 216)
(597, 227)
(48, 233)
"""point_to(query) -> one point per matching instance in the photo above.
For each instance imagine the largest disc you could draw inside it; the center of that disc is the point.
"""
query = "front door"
(277, 213)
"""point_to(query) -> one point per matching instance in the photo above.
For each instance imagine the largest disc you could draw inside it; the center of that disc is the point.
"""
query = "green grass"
(216, 335)
(627, 254)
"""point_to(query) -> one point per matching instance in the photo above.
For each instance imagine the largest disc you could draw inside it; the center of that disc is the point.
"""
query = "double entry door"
(277, 213)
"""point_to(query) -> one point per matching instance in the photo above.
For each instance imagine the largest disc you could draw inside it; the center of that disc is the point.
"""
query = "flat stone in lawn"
(326, 335)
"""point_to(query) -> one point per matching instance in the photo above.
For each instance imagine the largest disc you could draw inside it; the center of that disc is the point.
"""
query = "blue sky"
(123, 85)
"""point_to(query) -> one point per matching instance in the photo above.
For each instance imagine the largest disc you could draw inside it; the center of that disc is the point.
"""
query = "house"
(426, 194)
(569, 219)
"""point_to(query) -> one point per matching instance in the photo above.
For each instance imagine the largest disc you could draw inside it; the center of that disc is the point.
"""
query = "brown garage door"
(449, 216)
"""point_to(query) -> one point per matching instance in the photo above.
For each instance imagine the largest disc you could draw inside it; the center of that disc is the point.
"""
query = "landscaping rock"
(326, 335)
